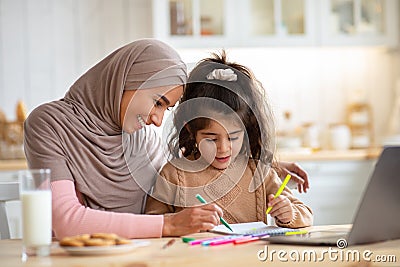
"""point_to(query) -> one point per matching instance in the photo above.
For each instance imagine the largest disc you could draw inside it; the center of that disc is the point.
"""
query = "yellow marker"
(302, 232)
(280, 190)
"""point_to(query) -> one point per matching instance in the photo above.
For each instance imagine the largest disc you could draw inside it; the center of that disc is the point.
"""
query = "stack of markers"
(221, 240)
(237, 239)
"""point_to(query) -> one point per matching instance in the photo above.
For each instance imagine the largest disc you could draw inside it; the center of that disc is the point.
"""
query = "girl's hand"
(299, 175)
(282, 208)
(192, 220)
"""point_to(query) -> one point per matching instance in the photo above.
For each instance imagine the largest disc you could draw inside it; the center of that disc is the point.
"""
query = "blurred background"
(331, 70)
(323, 63)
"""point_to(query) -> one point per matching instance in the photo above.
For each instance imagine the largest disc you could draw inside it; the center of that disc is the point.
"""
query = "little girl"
(223, 141)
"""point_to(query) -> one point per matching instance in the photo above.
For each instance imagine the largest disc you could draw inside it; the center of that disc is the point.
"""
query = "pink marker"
(221, 242)
(246, 240)
(199, 241)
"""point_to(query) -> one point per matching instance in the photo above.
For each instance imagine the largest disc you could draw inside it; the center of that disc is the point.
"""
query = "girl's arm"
(163, 196)
(70, 217)
(299, 175)
(154, 206)
(301, 215)
(187, 220)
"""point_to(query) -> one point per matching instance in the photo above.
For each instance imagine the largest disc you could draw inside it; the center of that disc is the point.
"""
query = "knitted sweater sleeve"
(163, 198)
(303, 215)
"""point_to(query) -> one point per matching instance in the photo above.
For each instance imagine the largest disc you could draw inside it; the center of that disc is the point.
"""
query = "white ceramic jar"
(339, 137)
(311, 136)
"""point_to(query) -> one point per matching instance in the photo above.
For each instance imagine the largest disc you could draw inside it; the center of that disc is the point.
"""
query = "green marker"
(187, 239)
(280, 190)
(202, 200)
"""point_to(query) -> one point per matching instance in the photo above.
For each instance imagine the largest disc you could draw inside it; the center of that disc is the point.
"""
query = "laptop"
(378, 215)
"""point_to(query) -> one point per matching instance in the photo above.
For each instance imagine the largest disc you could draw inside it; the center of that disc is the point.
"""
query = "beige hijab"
(80, 137)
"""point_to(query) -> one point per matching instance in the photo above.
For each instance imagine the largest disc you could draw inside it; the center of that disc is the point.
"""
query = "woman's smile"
(141, 122)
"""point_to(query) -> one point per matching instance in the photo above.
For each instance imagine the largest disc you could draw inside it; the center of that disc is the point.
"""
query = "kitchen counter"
(13, 164)
(309, 155)
(286, 155)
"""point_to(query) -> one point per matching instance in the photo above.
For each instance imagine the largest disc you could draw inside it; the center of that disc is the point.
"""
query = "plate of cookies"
(99, 244)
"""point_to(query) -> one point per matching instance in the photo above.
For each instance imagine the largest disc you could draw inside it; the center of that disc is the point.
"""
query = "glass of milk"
(35, 197)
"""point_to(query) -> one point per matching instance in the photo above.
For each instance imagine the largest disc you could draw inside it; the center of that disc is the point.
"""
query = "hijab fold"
(80, 137)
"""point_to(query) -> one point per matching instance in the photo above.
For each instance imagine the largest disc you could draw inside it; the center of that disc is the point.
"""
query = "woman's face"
(220, 143)
(147, 106)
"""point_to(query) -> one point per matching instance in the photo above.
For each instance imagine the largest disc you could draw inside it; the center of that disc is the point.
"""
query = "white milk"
(36, 217)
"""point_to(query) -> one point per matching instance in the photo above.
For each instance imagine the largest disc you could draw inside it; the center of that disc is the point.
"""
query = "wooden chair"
(8, 191)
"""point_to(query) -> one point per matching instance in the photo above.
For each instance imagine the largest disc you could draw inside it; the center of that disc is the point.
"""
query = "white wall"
(316, 84)
(46, 45)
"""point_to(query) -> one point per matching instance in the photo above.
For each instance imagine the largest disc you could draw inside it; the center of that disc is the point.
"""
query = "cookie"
(82, 237)
(106, 236)
(95, 239)
(71, 242)
(99, 242)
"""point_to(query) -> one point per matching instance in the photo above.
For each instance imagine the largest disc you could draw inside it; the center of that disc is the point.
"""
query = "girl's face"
(220, 143)
(147, 106)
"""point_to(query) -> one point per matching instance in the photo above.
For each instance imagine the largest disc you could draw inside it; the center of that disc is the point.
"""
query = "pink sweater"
(70, 217)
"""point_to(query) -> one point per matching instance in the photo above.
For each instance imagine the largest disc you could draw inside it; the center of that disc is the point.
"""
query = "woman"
(101, 157)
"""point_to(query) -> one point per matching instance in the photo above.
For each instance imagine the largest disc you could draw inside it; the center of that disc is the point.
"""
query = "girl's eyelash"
(213, 140)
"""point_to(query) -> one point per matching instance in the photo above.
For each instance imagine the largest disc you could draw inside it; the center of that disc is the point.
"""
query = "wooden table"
(182, 254)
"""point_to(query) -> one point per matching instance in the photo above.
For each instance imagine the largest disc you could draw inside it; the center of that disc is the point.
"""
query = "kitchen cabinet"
(359, 22)
(336, 188)
(276, 22)
(221, 23)
(194, 23)
(239, 23)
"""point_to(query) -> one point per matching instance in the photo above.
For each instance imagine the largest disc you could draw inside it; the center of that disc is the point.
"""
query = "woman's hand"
(298, 174)
(282, 208)
(191, 220)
